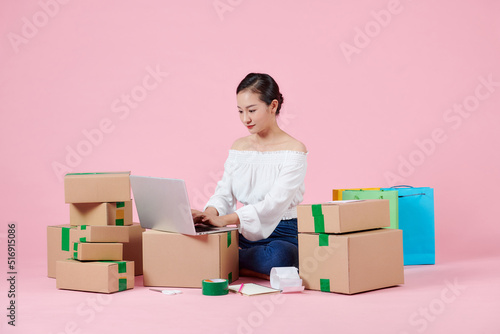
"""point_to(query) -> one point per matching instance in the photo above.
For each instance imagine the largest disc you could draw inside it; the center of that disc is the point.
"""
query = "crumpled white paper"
(286, 279)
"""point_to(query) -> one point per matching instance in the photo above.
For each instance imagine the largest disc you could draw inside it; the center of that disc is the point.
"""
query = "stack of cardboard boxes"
(344, 247)
(101, 249)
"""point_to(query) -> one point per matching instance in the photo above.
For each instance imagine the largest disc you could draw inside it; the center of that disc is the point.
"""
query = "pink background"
(370, 87)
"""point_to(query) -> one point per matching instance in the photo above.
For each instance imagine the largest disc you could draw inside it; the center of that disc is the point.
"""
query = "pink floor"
(450, 297)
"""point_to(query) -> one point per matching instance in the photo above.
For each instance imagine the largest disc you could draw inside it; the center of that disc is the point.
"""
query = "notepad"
(252, 289)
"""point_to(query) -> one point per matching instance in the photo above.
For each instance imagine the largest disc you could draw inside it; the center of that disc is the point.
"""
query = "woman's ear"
(274, 106)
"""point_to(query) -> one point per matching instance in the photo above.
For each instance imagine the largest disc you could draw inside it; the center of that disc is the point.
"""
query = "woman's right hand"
(203, 217)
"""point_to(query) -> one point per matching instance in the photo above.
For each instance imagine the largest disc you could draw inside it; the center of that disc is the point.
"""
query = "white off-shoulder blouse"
(270, 185)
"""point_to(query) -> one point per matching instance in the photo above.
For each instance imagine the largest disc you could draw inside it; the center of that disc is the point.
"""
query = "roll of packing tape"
(285, 277)
(215, 287)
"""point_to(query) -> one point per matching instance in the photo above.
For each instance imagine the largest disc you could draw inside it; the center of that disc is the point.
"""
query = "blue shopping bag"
(416, 219)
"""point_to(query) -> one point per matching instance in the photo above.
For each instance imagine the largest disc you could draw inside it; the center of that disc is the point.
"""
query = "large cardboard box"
(97, 187)
(105, 276)
(352, 262)
(178, 260)
(60, 239)
(97, 251)
(117, 213)
(343, 216)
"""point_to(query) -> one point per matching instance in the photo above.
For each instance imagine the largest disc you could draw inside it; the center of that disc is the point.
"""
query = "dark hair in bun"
(264, 85)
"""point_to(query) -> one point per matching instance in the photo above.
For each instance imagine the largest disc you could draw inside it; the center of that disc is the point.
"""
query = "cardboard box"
(179, 260)
(353, 262)
(132, 250)
(390, 195)
(337, 193)
(117, 213)
(60, 239)
(343, 216)
(97, 251)
(105, 276)
(97, 187)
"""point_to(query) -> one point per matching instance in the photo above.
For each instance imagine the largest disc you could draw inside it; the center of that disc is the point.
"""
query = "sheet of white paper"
(252, 289)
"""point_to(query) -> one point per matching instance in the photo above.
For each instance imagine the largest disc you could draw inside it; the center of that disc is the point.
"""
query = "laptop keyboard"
(203, 228)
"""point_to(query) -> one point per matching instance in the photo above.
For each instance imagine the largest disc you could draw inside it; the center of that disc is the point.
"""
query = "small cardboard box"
(97, 251)
(343, 216)
(353, 262)
(337, 193)
(105, 276)
(60, 239)
(179, 260)
(97, 187)
(117, 213)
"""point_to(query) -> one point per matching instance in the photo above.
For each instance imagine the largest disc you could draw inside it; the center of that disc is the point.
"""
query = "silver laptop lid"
(162, 204)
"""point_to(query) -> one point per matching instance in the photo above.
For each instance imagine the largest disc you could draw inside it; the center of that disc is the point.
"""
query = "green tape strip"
(83, 239)
(122, 284)
(323, 240)
(119, 222)
(228, 239)
(120, 204)
(230, 277)
(75, 249)
(319, 219)
(324, 284)
(83, 227)
(65, 238)
(122, 267)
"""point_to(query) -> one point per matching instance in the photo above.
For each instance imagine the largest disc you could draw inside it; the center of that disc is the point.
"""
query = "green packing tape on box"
(323, 240)
(65, 238)
(319, 219)
(122, 284)
(214, 287)
(324, 284)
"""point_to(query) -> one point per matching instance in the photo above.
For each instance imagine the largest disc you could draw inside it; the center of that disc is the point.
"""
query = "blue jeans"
(280, 249)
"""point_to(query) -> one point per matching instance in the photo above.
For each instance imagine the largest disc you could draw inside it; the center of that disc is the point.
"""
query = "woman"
(265, 172)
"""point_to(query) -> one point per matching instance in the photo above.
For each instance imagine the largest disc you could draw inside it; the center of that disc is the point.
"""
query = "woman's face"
(255, 114)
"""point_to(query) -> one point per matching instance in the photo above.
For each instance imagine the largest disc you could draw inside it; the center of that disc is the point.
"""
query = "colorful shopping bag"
(416, 219)
(337, 193)
(391, 195)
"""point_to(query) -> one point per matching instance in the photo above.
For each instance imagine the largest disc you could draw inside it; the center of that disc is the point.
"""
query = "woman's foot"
(251, 273)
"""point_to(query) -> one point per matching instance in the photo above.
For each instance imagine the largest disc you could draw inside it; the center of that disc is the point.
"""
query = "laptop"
(163, 204)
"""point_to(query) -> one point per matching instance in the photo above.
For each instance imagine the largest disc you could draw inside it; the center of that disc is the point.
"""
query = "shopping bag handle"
(405, 186)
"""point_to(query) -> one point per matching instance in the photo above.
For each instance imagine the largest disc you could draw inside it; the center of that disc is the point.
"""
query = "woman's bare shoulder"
(241, 144)
(296, 145)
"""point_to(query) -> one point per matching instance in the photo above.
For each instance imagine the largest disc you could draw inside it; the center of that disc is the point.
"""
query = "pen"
(241, 287)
